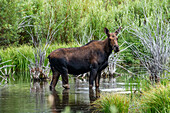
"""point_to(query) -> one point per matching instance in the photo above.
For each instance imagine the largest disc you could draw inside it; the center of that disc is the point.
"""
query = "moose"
(92, 57)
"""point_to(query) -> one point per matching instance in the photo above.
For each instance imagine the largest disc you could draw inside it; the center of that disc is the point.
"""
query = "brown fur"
(92, 57)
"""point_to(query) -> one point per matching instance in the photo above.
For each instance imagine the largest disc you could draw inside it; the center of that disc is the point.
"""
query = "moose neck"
(107, 46)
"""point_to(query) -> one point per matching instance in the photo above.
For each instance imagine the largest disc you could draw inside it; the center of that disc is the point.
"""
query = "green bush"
(8, 22)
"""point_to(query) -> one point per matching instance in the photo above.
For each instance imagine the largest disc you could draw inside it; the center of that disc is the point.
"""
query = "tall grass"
(21, 63)
(82, 16)
(109, 102)
(155, 100)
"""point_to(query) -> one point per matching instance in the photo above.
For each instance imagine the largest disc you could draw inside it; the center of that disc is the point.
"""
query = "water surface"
(35, 97)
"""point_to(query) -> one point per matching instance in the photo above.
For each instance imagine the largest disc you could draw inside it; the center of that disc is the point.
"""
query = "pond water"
(24, 97)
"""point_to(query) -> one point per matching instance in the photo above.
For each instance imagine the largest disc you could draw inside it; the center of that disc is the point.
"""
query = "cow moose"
(92, 57)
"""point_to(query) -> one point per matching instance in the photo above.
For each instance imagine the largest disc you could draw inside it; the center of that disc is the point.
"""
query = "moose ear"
(106, 31)
(118, 30)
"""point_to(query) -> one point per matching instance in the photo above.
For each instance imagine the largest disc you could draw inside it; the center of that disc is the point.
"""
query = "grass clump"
(111, 103)
(156, 100)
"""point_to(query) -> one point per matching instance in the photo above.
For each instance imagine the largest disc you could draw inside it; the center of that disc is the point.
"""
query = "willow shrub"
(154, 49)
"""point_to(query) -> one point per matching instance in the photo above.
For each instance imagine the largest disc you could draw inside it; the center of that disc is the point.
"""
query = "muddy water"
(24, 97)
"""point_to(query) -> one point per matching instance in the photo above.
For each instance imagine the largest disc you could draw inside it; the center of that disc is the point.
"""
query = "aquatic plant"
(108, 102)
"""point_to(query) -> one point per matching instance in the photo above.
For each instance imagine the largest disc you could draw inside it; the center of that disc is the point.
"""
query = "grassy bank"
(154, 100)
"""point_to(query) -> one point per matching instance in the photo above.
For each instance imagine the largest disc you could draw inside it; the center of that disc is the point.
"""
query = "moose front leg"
(97, 79)
(93, 74)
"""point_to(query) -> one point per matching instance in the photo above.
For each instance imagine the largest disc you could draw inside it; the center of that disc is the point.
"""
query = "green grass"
(75, 20)
(109, 102)
(156, 100)
(80, 16)
(21, 55)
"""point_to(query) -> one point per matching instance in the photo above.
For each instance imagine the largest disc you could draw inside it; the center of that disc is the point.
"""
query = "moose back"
(92, 57)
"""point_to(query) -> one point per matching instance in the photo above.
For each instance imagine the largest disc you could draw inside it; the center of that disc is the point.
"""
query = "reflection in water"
(58, 104)
(38, 91)
(36, 96)
(93, 95)
(37, 86)
(79, 97)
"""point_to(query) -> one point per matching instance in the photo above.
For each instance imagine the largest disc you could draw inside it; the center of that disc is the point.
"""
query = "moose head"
(113, 39)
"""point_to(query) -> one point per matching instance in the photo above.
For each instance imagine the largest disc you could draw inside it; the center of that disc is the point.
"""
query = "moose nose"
(116, 48)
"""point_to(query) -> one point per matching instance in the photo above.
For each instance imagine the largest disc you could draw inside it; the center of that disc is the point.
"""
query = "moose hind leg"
(65, 81)
(64, 75)
(55, 78)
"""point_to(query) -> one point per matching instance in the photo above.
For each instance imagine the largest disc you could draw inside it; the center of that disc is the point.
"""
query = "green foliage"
(76, 20)
(8, 22)
(108, 102)
(155, 100)
(66, 110)
(79, 16)
(21, 55)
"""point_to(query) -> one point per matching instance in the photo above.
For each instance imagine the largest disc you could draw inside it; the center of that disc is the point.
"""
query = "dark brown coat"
(92, 57)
